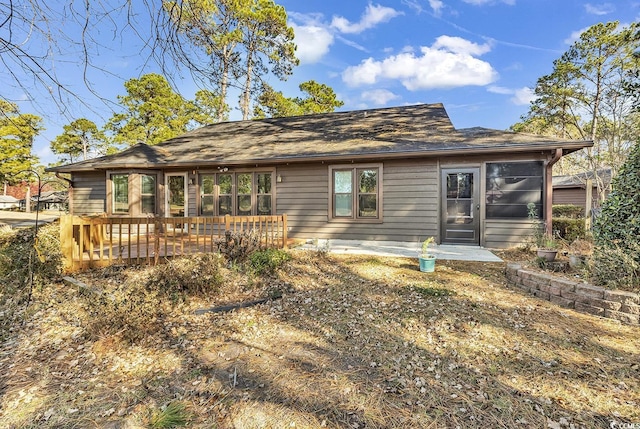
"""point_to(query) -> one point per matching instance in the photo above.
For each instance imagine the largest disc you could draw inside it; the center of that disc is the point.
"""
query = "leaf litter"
(353, 342)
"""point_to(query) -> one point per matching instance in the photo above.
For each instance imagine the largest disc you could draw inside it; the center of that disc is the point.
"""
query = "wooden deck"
(101, 240)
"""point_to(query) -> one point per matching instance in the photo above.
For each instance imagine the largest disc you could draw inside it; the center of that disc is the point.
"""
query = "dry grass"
(354, 342)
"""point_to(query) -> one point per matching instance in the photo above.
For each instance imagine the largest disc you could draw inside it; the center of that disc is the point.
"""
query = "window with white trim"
(355, 192)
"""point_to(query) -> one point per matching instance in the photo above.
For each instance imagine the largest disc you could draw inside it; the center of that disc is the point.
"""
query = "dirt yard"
(353, 342)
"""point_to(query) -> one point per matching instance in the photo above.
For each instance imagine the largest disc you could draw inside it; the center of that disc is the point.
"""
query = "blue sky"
(481, 58)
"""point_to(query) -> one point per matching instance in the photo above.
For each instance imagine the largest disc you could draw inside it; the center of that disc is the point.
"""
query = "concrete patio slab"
(399, 248)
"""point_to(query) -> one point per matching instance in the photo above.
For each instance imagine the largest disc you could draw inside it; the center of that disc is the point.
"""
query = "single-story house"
(398, 174)
(52, 200)
(572, 189)
(7, 202)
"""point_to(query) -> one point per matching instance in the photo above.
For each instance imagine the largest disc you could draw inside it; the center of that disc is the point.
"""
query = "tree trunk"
(224, 82)
(27, 199)
(246, 93)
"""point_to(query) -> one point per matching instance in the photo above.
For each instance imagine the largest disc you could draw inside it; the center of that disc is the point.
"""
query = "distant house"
(7, 202)
(52, 200)
(572, 189)
(399, 174)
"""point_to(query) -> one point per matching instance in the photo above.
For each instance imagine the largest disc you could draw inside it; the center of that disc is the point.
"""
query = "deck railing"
(91, 241)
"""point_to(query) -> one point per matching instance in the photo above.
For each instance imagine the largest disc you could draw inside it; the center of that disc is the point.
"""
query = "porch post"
(66, 241)
(284, 231)
(548, 204)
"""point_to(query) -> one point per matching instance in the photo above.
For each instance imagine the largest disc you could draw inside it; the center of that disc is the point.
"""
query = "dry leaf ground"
(354, 342)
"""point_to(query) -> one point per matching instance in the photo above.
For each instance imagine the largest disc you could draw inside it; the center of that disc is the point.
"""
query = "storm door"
(460, 223)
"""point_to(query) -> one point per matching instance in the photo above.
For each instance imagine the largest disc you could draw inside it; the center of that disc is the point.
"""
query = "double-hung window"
(355, 192)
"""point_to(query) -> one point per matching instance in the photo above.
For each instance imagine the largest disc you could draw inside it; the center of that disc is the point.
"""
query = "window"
(343, 193)
(242, 194)
(148, 193)
(207, 195)
(225, 196)
(367, 193)
(510, 186)
(264, 193)
(355, 192)
(120, 193)
(176, 195)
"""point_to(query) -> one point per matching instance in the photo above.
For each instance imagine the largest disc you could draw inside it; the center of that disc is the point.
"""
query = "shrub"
(24, 257)
(237, 246)
(567, 210)
(616, 267)
(268, 260)
(616, 230)
(619, 220)
(194, 274)
(26, 262)
(569, 229)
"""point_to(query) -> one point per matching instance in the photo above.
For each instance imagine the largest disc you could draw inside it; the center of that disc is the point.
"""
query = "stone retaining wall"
(583, 297)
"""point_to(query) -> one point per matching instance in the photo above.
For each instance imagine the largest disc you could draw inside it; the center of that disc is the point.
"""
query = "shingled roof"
(395, 132)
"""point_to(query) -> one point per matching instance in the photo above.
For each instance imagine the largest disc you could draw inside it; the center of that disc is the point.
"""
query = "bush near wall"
(616, 230)
(568, 221)
(570, 211)
(569, 229)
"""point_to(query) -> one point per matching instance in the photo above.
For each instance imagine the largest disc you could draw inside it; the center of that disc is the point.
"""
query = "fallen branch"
(85, 287)
(225, 308)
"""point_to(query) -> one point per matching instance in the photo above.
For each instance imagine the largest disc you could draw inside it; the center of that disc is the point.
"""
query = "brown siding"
(192, 195)
(410, 190)
(89, 193)
(503, 234)
(575, 196)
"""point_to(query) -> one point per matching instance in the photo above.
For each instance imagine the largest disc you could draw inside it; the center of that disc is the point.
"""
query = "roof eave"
(567, 147)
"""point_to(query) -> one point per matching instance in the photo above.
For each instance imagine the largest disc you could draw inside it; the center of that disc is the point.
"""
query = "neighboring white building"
(8, 202)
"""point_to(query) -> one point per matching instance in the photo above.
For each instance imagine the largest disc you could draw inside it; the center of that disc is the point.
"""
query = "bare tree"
(36, 36)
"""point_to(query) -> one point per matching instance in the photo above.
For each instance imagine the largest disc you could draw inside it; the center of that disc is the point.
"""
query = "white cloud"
(499, 90)
(414, 4)
(521, 96)
(352, 44)
(313, 42)
(458, 45)
(366, 73)
(599, 9)
(379, 96)
(449, 63)
(436, 6)
(575, 36)
(373, 15)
